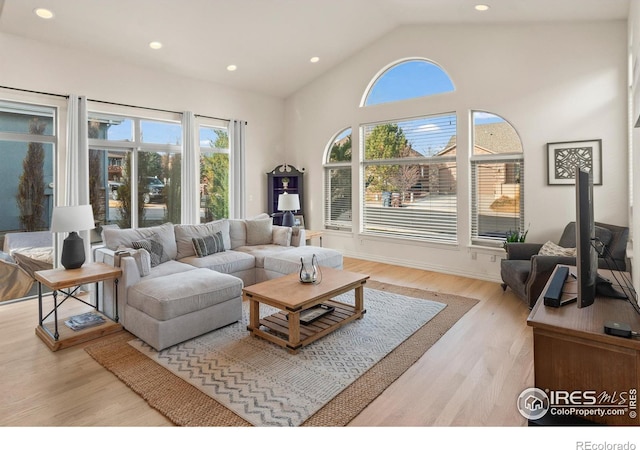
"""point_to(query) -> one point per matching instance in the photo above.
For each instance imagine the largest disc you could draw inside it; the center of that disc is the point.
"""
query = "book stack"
(86, 320)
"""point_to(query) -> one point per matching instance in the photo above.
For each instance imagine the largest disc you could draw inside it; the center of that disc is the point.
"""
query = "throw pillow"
(282, 236)
(153, 246)
(259, 231)
(551, 249)
(186, 233)
(208, 245)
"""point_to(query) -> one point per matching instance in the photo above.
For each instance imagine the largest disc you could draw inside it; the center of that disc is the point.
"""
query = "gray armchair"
(526, 272)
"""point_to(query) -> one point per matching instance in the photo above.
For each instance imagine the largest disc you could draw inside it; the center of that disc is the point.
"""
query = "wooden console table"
(56, 334)
(573, 354)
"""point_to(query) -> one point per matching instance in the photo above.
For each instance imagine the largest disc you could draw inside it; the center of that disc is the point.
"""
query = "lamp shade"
(288, 202)
(72, 218)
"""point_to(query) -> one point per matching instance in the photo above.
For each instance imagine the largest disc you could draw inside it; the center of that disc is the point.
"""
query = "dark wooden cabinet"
(283, 179)
(573, 355)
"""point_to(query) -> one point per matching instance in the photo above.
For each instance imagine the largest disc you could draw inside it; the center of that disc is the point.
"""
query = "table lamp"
(72, 219)
(287, 203)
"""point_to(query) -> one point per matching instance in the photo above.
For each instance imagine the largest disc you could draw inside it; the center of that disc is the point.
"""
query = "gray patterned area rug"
(185, 405)
(267, 386)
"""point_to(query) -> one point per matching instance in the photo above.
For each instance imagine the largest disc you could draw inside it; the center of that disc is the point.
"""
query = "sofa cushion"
(169, 268)
(153, 245)
(289, 261)
(116, 237)
(182, 293)
(259, 231)
(281, 235)
(205, 246)
(185, 234)
(260, 252)
(229, 261)
(237, 233)
(141, 256)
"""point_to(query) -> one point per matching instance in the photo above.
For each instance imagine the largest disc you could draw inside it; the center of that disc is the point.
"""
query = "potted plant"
(515, 236)
(285, 182)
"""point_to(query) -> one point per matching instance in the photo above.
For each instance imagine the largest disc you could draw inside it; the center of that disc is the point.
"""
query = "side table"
(67, 282)
(310, 234)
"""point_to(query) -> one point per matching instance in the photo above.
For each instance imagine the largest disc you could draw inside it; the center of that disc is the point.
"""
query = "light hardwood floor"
(471, 377)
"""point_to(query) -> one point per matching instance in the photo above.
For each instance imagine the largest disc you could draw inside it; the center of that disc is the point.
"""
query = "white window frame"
(330, 224)
(475, 161)
(136, 145)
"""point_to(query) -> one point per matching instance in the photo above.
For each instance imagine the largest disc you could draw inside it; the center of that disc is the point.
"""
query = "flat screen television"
(587, 256)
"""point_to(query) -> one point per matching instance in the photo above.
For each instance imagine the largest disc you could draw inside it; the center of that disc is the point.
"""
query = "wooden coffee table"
(292, 297)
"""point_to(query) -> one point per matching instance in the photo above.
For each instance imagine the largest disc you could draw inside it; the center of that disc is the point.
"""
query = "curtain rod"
(110, 103)
(216, 118)
(153, 109)
(34, 92)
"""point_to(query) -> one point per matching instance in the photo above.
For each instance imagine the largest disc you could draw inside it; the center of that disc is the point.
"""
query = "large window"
(409, 178)
(27, 143)
(214, 173)
(27, 153)
(337, 183)
(134, 170)
(497, 180)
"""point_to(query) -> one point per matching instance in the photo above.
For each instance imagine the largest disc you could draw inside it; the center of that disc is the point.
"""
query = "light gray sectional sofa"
(184, 294)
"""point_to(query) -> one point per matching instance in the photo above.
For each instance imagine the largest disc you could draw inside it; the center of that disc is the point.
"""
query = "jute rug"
(342, 379)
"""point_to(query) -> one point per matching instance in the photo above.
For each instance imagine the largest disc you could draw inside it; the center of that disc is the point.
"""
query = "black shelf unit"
(276, 186)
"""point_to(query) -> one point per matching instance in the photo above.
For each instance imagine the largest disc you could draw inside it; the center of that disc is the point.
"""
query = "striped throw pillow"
(208, 245)
(153, 246)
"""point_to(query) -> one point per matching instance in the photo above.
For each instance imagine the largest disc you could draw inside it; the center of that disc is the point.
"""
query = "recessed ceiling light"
(482, 7)
(155, 45)
(43, 13)
(315, 59)
(231, 67)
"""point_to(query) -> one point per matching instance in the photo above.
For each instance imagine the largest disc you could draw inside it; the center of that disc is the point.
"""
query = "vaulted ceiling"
(270, 41)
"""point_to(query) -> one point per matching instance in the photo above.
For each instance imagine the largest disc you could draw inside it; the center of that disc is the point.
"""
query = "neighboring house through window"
(409, 179)
(497, 180)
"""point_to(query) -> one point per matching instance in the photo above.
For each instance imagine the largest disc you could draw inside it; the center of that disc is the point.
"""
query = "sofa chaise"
(184, 291)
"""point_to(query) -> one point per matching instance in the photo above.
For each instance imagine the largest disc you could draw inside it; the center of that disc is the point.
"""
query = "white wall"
(552, 82)
(32, 65)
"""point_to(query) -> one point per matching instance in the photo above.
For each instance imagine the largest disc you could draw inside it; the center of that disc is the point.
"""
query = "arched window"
(337, 182)
(407, 79)
(497, 179)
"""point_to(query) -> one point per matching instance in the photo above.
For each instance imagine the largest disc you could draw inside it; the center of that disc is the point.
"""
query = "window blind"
(497, 205)
(337, 198)
(410, 178)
